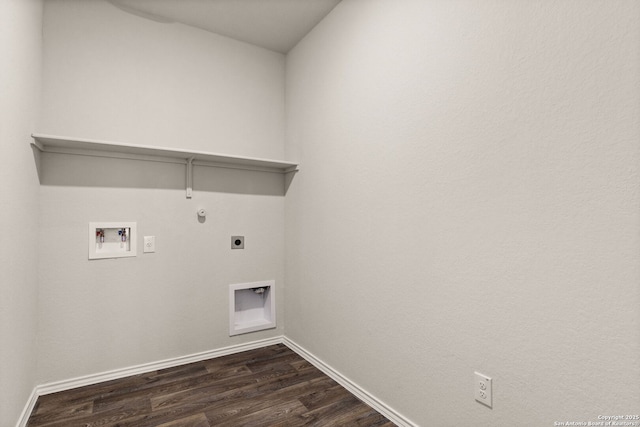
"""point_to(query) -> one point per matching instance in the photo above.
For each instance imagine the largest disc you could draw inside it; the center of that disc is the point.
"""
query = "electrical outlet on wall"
(484, 389)
(149, 244)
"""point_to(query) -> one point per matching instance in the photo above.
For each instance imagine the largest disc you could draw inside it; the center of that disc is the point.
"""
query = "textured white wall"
(115, 76)
(111, 75)
(468, 200)
(20, 73)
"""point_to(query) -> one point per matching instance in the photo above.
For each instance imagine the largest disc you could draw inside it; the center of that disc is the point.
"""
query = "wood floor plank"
(123, 403)
(283, 414)
(340, 413)
(198, 420)
(270, 386)
(324, 397)
(235, 408)
(301, 364)
(210, 401)
(373, 419)
(214, 391)
(192, 382)
(233, 411)
(110, 417)
(250, 393)
(49, 414)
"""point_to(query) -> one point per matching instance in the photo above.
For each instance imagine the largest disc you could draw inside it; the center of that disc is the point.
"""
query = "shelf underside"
(65, 145)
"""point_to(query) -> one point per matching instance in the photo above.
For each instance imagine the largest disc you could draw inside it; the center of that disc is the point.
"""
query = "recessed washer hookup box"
(112, 240)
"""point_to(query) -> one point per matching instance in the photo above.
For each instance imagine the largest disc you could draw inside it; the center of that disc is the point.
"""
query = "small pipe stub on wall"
(202, 216)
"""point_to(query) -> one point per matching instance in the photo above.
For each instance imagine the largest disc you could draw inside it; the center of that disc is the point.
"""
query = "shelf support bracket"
(189, 177)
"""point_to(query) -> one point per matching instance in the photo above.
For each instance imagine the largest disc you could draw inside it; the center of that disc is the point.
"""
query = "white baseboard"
(153, 366)
(353, 388)
(91, 379)
(28, 408)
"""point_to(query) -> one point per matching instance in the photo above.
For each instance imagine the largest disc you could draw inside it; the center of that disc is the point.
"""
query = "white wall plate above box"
(112, 240)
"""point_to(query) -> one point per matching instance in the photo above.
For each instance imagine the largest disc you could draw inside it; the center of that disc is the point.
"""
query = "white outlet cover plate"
(483, 386)
(149, 244)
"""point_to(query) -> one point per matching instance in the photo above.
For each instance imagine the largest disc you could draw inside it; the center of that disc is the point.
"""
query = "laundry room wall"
(20, 75)
(470, 202)
(114, 76)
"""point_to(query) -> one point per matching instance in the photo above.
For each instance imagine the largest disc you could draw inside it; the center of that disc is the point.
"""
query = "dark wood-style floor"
(271, 386)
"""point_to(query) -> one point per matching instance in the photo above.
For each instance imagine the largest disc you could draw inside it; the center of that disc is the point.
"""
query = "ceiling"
(273, 24)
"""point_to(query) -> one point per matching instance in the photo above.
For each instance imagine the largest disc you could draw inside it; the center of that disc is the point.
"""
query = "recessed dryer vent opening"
(252, 307)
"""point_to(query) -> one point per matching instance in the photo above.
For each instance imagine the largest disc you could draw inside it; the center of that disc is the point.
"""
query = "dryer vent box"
(252, 307)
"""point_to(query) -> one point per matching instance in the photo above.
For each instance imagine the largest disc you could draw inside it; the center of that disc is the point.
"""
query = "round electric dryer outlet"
(237, 242)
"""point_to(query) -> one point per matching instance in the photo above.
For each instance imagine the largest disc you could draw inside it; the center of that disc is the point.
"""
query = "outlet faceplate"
(483, 389)
(149, 244)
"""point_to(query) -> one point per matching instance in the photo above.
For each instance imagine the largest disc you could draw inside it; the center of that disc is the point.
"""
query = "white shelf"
(88, 147)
